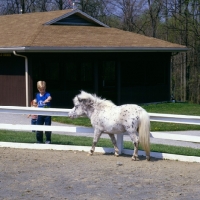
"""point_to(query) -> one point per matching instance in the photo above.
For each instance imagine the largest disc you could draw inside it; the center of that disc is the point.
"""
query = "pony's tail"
(144, 132)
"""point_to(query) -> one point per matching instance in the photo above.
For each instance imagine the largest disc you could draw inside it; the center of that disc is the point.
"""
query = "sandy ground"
(50, 174)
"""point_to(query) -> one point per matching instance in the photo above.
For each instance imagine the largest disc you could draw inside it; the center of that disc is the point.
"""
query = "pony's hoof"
(135, 158)
(148, 158)
(90, 153)
(116, 154)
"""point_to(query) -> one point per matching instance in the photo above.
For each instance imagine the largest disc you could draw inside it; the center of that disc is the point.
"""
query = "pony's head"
(83, 105)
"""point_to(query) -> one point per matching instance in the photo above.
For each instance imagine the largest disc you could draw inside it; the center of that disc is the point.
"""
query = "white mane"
(95, 99)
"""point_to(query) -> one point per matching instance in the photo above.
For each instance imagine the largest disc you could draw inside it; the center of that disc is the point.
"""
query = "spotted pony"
(108, 118)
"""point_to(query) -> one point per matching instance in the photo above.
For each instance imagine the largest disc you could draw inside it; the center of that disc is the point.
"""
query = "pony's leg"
(135, 139)
(97, 135)
(135, 153)
(112, 137)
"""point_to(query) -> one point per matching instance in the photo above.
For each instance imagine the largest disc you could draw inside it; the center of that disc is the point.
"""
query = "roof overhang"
(90, 49)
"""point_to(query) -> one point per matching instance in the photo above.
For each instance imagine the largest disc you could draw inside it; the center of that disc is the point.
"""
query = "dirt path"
(49, 174)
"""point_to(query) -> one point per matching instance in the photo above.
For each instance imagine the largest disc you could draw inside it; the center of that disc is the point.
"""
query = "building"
(72, 51)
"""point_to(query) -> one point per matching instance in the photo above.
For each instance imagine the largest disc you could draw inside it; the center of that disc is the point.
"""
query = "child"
(43, 99)
(33, 117)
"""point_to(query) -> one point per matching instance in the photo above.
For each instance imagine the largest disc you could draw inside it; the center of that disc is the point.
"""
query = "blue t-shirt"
(41, 99)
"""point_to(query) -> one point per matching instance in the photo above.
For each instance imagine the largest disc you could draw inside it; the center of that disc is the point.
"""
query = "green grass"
(29, 137)
(82, 121)
(168, 108)
(173, 108)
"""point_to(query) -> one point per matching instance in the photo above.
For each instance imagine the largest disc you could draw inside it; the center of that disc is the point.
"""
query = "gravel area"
(49, 174)
(73, 175)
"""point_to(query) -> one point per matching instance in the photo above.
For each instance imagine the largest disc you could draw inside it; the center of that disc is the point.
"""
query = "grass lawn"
(29, 137)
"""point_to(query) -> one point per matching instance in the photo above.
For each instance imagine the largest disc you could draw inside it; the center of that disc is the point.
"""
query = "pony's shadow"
(140, 157)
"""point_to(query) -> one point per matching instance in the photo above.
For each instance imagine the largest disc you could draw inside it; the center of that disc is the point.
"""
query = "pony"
(108, 118)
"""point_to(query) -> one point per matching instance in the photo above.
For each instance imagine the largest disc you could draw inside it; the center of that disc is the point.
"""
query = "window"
(71, 71)
(87, 72)
(132, 74)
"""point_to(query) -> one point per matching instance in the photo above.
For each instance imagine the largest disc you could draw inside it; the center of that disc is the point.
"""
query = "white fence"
(183, 119)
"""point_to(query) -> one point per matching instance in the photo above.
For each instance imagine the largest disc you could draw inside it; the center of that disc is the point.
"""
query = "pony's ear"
(80, 100)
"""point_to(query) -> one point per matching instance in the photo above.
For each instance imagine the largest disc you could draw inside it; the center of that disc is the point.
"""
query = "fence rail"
(169, 118)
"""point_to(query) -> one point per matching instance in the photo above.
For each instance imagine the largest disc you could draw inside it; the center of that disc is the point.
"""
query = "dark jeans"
(33, 122)
(41, 121)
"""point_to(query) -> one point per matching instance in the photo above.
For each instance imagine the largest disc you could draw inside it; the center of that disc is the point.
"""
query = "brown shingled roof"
(29, 30)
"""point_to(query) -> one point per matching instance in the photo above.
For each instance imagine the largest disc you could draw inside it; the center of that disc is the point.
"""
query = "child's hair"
(41, 84)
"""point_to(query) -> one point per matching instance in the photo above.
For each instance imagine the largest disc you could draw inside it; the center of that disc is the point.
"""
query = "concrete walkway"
(22, 119)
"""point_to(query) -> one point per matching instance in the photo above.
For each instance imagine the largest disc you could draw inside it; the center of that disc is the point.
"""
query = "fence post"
(120, 142)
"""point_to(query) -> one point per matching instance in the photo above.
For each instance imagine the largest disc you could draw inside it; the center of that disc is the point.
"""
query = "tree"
(96, 8)
(63, 4)
(154, 10)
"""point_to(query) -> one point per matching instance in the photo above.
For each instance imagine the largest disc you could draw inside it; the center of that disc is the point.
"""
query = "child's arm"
(48, 99)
